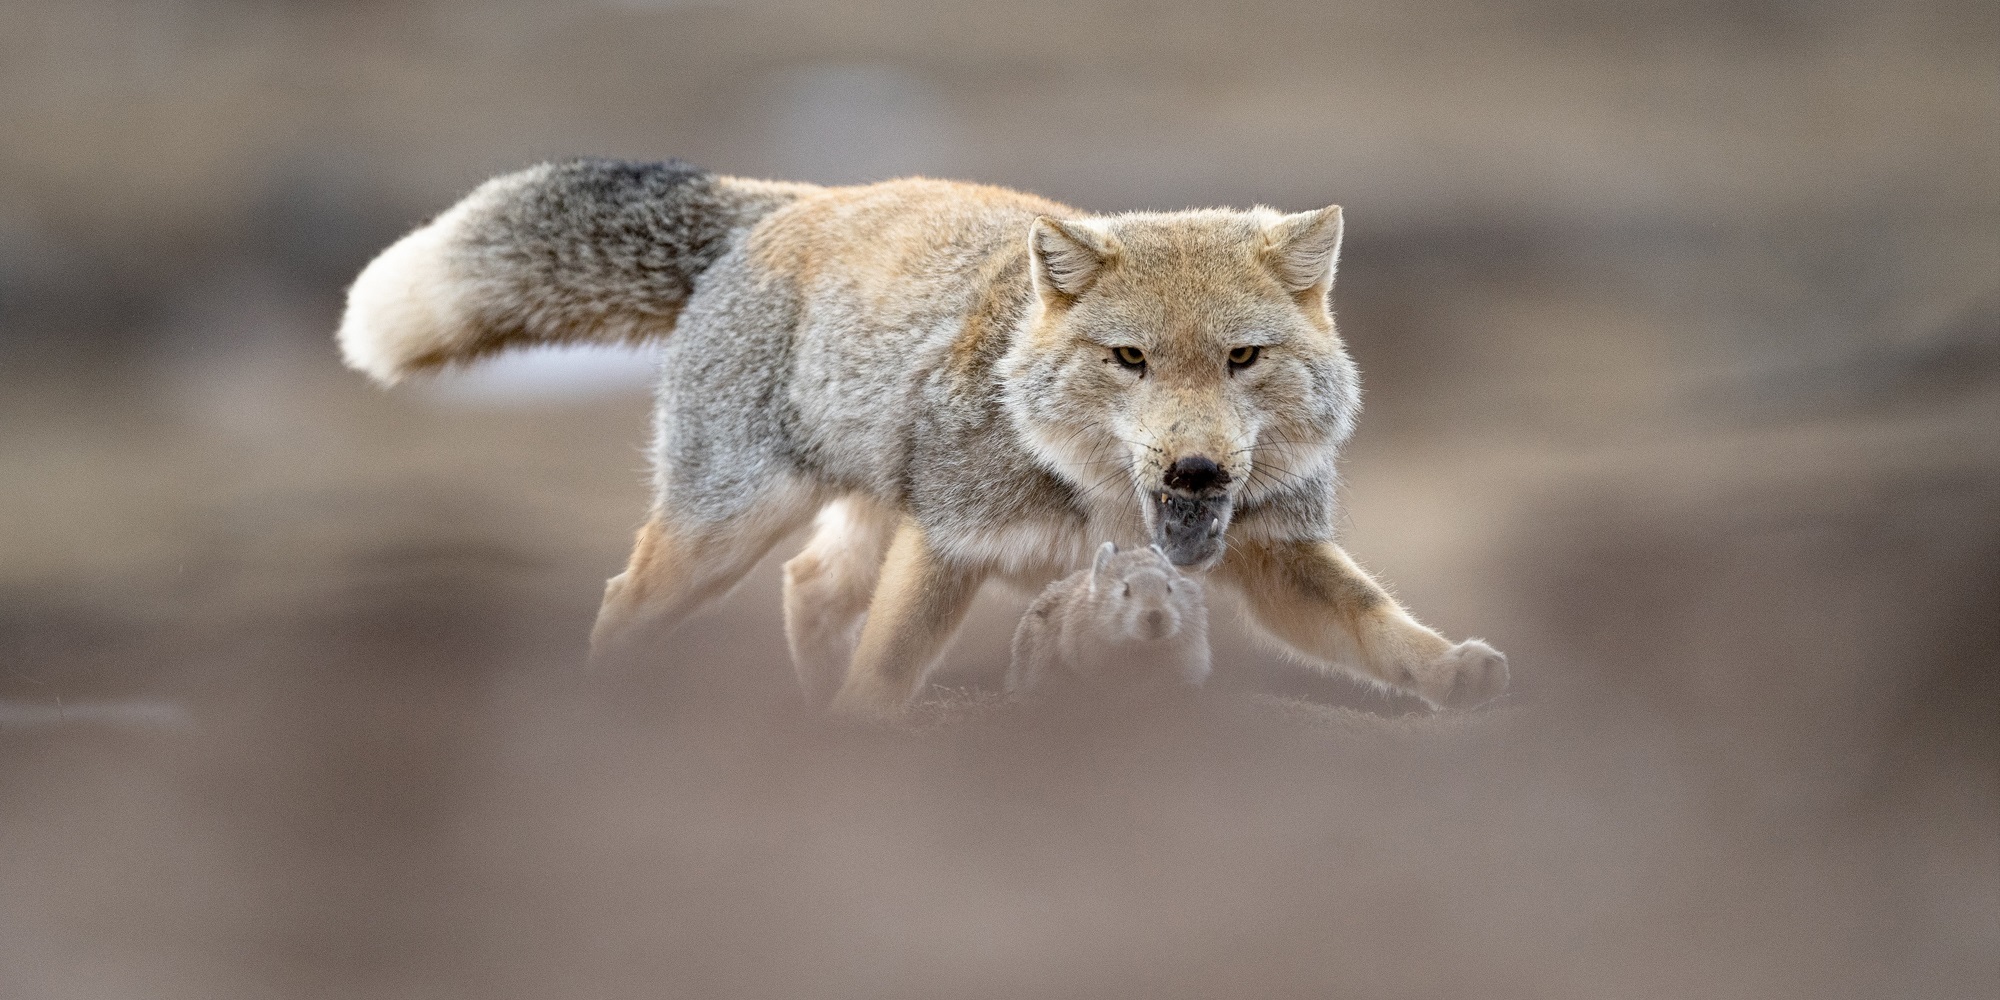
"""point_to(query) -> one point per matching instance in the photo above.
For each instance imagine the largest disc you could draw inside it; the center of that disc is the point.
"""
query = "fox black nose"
(1196, 473)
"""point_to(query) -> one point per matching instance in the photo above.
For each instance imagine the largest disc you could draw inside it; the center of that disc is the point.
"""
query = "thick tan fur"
(915, 609)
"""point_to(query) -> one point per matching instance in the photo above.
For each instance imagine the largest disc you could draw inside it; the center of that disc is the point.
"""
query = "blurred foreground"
(1752, 751)
(1681, 339)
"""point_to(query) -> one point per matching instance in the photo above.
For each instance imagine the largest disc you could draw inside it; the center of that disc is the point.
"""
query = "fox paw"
(1468, 674)
(860, 702)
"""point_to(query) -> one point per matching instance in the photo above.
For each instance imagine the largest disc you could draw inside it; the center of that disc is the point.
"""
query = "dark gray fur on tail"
(594, 247)
(584, 250)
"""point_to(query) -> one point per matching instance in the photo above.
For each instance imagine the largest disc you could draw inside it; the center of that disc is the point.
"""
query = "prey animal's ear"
(1103, 560)
(1162, 553)
(1067, 256)
(1303, 249)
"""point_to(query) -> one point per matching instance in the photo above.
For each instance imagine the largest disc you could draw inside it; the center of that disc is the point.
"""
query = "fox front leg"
(827, 588)
(1312, 596)
(918, 604)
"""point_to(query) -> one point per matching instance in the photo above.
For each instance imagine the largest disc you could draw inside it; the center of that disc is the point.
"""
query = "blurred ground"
(1681, 337)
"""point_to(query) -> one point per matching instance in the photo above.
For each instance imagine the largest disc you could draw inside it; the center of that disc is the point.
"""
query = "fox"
(1130, 618)
(953, 383)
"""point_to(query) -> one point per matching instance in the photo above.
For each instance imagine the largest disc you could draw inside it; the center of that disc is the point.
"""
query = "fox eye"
(1244, 357)
(1130, 357)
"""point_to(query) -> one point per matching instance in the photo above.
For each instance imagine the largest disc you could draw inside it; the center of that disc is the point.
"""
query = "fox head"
(1186, 359)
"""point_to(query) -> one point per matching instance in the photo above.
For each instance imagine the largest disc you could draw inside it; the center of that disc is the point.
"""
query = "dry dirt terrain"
(1681, 340)
(295, 706)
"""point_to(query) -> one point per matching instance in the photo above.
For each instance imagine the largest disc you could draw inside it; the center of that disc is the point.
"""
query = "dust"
(1677, 328)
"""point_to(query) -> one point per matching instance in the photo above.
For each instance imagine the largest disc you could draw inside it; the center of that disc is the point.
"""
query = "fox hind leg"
(680, 564)
(827, 589)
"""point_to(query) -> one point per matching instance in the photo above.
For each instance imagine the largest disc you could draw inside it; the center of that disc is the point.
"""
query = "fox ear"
(1097, 566)
(1067, 256)
(1304, 248)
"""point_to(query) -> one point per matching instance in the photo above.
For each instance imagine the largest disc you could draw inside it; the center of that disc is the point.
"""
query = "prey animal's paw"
(1469, 674)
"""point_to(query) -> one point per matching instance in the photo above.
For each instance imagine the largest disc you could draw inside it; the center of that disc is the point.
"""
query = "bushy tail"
(588, 250)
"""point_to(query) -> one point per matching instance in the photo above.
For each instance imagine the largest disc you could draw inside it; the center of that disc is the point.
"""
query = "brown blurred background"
(1680, 326)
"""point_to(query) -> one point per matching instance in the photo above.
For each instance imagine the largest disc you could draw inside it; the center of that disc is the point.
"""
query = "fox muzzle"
(1189, 528)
